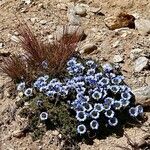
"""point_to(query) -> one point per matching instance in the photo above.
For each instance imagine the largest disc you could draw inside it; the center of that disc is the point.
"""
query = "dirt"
(54, 14)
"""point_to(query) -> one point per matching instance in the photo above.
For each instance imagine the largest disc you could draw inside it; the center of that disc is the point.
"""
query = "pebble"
(88, 48)
(116, 44)
(43, 22)
(142, 95)
(140, 64)
(143, 26)
(14, 38)
(1, 45)
(72, 17)
(118, 59)
(27, 2)
(120, 21)
(135, 53)
(33, 20)
(80, 10)
(18, 134)
(55, 133)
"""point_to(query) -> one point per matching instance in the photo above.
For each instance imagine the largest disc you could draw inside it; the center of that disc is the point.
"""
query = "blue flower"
(109, 113)
(117, 105)
(133, 111)
(87, 106)
(43, 89)
(72, 62)
(90, 63)
(90, 72)
(94, 124)
(116, 80)
(44, 116)
(126, 95)
(106, 106)
(81, 129)
(104, 81)
(140, 109)
(113, 121)
(124, 102)
(96, 95)
(28, 92)
(98, 76)
(50, 94)
(114, 88)
(94, 114)
(109, 100)
(81, 116)
(98, 107)
(125, 88)
(107, 68)
(21, 86)
(45, 64)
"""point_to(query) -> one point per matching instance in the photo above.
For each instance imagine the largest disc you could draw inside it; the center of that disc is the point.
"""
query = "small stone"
(14, 38)
(55, 133)
(116, 44)
(43, 22)
(140, 64)
(1, 45)
(18, 134)
(72, 17)
(33, 20)
(118, 59)
(88, 48)
(120, 21)
(135, 53)
(142, 95)
(27, 2)
(80, 10)
(94, 9)
(26, 104)
(143, 26)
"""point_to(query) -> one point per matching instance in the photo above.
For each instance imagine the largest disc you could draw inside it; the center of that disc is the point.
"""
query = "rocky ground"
(124, 41)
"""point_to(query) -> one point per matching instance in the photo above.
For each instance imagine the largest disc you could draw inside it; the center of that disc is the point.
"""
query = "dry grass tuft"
(55, 55)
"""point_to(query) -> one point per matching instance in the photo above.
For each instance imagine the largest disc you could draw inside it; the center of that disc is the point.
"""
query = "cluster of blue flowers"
(97, 94)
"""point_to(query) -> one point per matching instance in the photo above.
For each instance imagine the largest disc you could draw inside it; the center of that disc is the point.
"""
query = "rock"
(18, 134)
(69, 30)
(143, 26)
(135, 53)
(142, 95)
(1, 45)
(118, 59)
(80, 10)
(116, 44)
(120, 21)
(140, 64)
(33, 20)
(55, 133)
(43, 22)
(27, 2)
(88, 48)
(14, 38)
(72, 17)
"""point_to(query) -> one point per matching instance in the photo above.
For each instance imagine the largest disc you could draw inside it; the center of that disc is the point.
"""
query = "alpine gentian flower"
(81, 129)
(109, 113)
(46, 77)
(133, 111)
(116, 80)
(94, 114)
(125, 102)
(126, 95)
(104, 81)
(87, 106)
(140, 109)
(21, 86)
(50, 94)
(117, 105)
(125, 88)
(106, 106)
(114, 88)
(45, 64)
(44, 116)
(90, 63)
(98, 76)
(90, 72)
(28, 92)
(72, 62)
(113, 121)
(79, 107)
(43, 89)
(109, 100)
(94, 124)
(98, 107)
(96, 95)
(81, 116)
(107, 68)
